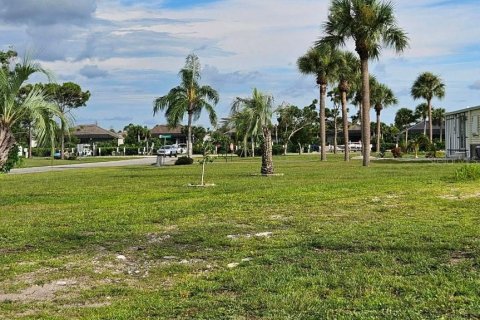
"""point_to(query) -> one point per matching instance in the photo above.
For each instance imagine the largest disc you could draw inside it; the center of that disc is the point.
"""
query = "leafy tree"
(403, 119)
(428, 86)
(67, 96)
(333, 115)
(6, 57)
(381, 97)
(260, 110)
(13, 110)
(136, 134)
(348, 75)
(292, 119)
(438, 118)
(321, 61)
(189, 97)
(421, 112)
(370, 24)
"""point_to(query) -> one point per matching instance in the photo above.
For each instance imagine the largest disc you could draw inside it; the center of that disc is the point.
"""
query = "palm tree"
(438, 117)
(260, 110)
(189, 97)
(421, 111)
(370, 23)
(321, 61)
(382, 97)
(348, 72)
(427, 86)
(34, 105)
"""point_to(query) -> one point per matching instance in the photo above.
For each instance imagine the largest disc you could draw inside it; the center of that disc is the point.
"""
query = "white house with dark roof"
(462, 133)
(92, 133)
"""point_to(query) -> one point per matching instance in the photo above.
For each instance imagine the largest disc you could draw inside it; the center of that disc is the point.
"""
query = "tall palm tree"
(189, 97)
(260, 110)
(427, 86)
(348, 73)
(14, 109)
(322, 62)
(381, 97)
(438, 117)
(370, 23)
(421, 111)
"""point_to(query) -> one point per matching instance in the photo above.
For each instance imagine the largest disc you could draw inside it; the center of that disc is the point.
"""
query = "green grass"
(44, 162)
(393, 241)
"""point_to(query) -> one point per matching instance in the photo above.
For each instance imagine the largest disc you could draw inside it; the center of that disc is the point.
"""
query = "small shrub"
(183, 161)
(469, 172)
(397, 152)
(13, 159)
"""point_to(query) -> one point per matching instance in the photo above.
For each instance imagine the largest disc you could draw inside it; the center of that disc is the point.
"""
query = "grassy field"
(44, 162)
(327, 240)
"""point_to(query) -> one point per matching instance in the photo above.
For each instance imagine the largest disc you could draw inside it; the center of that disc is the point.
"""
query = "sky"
(127, 52)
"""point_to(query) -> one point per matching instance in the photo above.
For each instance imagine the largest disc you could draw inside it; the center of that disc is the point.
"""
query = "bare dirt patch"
(39, 293)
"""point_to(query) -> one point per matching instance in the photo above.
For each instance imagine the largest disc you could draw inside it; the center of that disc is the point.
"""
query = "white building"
(462, 133)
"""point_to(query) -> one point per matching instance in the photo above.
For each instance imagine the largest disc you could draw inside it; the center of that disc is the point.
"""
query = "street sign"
(165, 136)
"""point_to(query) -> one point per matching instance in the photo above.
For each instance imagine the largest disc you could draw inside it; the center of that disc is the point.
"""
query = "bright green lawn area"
(393, 241)
(44, 162)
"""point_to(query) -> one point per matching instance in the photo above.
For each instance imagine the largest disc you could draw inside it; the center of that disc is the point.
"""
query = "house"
(422, 127)
(92, 133)
(172, 135)
(462, 133)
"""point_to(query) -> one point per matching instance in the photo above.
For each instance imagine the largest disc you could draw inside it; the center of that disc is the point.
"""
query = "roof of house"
(164, 129)
(94, 131)
(463, 110)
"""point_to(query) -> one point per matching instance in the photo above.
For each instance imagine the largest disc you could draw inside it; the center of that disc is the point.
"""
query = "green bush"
(469, 172)
(41, 152)
(183, 161)
(13, 159)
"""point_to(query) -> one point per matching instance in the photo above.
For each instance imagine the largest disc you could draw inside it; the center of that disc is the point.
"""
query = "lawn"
(44, 162)
(328, 240)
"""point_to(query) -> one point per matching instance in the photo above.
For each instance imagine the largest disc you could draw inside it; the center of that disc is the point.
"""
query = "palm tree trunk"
(253, 148)
(323, 131)
(189, 135)
(378, 131)
(441, 129)
(7, 140)
(365, 113)
(335, 134)
(267, 161)
(62, 143)
(425, 126)
(30, 139)
(345, 125)
(430, 126)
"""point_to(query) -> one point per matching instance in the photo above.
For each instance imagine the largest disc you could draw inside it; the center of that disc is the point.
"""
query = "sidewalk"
(120, 163)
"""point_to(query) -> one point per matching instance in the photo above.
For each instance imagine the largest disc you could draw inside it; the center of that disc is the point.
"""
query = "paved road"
(120, 163)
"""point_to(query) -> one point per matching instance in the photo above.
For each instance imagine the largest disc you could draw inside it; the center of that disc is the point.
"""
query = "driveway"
(120, 163)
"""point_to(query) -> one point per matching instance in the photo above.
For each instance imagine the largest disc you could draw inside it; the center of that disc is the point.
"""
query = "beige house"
(462, 133)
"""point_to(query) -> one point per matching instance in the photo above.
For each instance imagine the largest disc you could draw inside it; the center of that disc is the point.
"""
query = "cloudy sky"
(127, 52)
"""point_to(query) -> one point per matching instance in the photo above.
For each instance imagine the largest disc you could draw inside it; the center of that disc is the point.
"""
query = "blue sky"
(129, 52)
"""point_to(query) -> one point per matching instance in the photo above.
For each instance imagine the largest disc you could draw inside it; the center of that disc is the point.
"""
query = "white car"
(181, 148)
(168, 150)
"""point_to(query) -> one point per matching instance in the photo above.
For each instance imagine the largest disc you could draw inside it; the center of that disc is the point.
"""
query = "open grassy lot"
(44, 162)
(325, 241)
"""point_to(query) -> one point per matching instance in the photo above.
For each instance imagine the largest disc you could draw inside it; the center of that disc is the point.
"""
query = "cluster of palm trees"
(249, 116)
(370, 24)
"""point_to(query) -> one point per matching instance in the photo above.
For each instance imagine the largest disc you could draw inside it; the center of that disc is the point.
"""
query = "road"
(120, 163)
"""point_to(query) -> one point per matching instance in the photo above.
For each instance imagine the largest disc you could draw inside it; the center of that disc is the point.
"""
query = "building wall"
(467, 121)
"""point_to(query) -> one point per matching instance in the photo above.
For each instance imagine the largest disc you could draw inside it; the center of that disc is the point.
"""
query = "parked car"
(168, 150)
(182, 148)
(57, 155)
